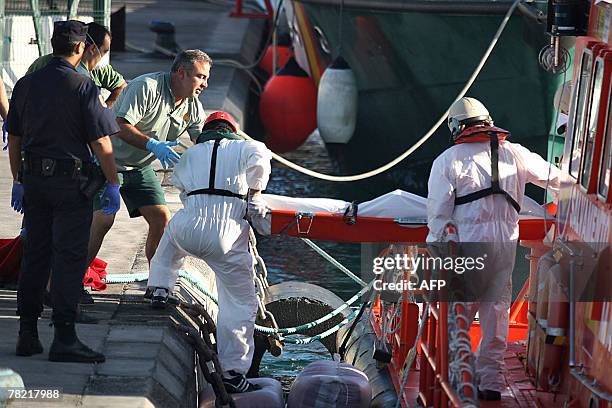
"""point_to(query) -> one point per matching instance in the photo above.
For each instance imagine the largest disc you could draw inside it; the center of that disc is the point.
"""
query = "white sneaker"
(237, 383)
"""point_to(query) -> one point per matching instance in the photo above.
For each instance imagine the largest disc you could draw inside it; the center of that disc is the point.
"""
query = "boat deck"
(520, 392)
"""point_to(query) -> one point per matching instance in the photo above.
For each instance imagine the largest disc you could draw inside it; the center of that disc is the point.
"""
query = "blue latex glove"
(164, 152)
(111, 199)
(17, 197)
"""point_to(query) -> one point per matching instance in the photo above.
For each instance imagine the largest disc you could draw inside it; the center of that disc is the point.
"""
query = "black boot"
(28, 343)
(489, 395)
(67, 347)
(86, 298)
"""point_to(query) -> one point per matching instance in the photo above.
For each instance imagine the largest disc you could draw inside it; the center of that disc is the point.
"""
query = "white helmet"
(466, 111)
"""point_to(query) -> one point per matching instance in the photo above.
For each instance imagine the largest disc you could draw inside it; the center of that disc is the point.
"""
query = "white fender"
(337, 103)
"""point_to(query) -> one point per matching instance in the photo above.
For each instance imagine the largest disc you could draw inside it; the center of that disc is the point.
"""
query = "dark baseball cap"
(71, 30)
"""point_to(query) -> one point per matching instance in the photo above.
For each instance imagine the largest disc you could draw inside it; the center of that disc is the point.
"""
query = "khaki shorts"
(139, 188)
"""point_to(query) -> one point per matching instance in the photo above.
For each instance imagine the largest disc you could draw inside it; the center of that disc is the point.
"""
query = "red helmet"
(224, 116)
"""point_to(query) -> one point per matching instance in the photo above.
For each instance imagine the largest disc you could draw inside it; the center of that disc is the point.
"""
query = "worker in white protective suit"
(217, 178)
(479, 185)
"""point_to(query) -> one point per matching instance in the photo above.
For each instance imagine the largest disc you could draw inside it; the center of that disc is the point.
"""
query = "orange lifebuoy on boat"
(288, 108)
(283, 53)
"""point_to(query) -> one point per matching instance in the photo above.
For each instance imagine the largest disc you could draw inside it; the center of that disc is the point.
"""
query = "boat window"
(580, 107)
(591, 129)
(606, 162)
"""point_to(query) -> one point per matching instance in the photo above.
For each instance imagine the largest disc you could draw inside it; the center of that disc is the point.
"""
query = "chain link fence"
(26, 27)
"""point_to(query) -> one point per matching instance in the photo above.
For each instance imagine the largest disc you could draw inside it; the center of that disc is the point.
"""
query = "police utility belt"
(90, 175)
(211, 180)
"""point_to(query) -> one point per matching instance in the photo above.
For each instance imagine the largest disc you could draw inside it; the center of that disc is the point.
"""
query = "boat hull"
(410, 66)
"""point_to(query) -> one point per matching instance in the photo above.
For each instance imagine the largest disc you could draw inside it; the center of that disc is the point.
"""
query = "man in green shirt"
(152, 112)
(97, 46)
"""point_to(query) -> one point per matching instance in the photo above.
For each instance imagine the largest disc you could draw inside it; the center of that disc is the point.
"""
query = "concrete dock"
(147, 362)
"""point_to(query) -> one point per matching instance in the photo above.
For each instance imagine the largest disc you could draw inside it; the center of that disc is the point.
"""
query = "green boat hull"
(410, 66)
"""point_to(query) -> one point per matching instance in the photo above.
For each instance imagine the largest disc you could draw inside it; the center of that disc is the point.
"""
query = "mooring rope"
(335, 312)
(334, 262)
(422, 140)
(320, 336)
(191, 278)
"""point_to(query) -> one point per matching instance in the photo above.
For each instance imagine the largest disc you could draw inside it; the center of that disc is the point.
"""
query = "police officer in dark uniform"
(56, 120)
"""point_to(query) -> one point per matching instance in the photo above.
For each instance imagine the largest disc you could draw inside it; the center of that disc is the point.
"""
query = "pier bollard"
(165, 42)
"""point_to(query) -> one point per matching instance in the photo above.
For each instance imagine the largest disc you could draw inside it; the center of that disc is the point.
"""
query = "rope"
(347, 335)
(198, 284)
(331, 260)
(554, 139)
(236, 64)
(142, 276)
(398, 325)
(318, 337)
(259, 259)
(260, 278)
(261, 283)
(128, 278)
(422, 140)
(306, 340)
(306, 326)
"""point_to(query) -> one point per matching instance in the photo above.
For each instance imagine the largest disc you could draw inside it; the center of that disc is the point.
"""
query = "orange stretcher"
(336, 227)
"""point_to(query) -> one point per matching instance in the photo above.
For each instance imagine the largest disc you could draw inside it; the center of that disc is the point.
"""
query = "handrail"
(591, 385)
(572, 302)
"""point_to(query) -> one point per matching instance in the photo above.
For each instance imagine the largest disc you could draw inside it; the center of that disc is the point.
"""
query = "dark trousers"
(57, 221)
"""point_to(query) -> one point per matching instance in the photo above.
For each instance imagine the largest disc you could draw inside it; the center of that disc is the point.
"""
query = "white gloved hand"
(257, 206)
